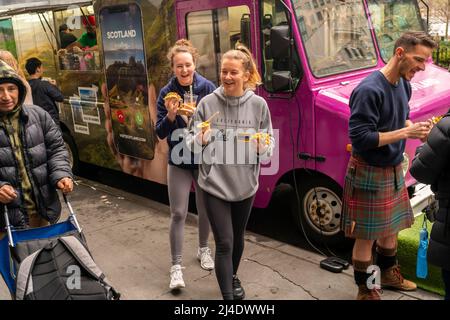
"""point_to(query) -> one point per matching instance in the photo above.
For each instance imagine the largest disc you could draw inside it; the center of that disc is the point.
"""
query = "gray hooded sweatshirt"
(230, 166)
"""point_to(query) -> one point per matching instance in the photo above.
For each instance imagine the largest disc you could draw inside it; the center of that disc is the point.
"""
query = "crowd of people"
(376, 205)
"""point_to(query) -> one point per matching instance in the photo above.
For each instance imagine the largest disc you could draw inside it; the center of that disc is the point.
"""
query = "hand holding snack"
(172, 102)
(186, 110)
(205, 126)
(261, 141)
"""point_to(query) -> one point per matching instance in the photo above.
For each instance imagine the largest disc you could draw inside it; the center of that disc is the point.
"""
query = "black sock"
(360, 277)
(385, 262)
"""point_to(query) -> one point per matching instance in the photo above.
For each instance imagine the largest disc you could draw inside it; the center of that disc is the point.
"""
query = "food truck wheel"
(320, 210)
(72, 149)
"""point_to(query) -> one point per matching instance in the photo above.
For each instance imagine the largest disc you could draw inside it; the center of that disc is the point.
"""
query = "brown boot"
(393, 279)
(365, 293)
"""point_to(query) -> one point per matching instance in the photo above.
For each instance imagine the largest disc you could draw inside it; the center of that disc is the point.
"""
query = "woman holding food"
(176, 104)
(232, 130)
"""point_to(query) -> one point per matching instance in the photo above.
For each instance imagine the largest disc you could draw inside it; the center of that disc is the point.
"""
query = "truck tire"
(317, 210)
(73, 152)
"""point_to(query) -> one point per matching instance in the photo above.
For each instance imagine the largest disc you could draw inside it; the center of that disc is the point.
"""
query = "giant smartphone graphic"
(126, 80)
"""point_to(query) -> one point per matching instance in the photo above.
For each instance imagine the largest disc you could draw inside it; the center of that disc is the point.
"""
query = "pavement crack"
(284, 277)
(203, 277)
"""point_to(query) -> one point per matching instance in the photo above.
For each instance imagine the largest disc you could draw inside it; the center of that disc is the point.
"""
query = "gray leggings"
(179, 185)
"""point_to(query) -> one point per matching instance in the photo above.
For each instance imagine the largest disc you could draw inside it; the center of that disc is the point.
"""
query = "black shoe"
(238, 291)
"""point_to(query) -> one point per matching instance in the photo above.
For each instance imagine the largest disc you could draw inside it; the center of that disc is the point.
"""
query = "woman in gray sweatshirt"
(233, 131)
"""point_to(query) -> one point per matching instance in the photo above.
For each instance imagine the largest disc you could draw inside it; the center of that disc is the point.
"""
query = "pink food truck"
(311, 55)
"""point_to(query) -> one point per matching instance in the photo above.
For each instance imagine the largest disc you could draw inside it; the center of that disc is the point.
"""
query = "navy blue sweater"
(378, 106)
(164, 127)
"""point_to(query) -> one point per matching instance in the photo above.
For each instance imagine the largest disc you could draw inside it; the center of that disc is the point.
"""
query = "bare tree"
(440, 10)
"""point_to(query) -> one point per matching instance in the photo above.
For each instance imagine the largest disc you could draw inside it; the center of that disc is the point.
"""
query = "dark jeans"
(446, 278)
(228, 222)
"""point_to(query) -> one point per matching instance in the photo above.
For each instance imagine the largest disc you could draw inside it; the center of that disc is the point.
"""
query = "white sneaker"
(176, 277)
(204, 256)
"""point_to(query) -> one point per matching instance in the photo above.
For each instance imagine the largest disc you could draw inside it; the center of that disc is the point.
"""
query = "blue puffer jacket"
(164, 128)
(46, 161)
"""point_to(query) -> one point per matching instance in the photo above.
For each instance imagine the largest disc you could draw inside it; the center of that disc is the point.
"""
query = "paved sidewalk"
(128, 237)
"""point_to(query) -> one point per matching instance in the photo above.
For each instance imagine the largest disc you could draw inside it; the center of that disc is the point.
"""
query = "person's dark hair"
(64, 27)
(32, 64)
(411, 39)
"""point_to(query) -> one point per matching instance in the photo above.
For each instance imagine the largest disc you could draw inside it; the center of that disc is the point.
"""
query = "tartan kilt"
(375, 201)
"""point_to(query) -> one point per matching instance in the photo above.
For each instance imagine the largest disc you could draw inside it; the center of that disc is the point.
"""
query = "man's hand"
(65, 184)
(7, 194)
(419, 130)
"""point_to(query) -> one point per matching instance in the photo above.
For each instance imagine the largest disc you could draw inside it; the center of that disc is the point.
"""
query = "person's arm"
(266, 151)
(434, 155)
(196, 139)
(164, 123)
(418, 130)
(73, 44)
(363, 123)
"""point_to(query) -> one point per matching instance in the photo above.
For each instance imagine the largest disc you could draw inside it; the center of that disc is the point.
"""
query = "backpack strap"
(24, 282)
(82, 255)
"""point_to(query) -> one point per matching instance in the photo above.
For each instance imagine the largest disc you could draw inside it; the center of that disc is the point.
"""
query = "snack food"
(185, 109)
(172, 95)
(436, 119)
(204, 126)
(261, 136)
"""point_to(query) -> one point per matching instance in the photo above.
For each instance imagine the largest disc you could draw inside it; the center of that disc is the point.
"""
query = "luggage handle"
(72, 215)
(8, 226)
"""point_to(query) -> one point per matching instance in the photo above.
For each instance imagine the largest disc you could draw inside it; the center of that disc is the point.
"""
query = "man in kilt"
(375, 202)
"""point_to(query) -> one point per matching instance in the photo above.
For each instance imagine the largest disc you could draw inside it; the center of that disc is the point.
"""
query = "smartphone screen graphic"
(126, 80)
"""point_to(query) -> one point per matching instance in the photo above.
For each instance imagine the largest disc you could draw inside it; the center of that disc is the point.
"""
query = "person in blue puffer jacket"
(182, 169)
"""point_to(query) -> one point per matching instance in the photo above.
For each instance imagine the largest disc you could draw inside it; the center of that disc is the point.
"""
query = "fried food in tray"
(259, 136)
(185, 109)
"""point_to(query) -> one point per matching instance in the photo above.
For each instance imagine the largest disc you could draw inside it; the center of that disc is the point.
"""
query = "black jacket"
(46, 158)
(45, 95)
(431, 165)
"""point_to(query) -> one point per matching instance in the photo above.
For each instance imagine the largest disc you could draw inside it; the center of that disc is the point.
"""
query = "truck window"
(213, 32)
(336, 36)
(274, 14)
(32, 41)
(69, 29)
(7, 41)
(390, 19)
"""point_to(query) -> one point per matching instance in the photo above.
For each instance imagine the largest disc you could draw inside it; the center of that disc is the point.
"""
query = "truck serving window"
(336, 36)
(390, 19)
(70, 28)
(213, 32)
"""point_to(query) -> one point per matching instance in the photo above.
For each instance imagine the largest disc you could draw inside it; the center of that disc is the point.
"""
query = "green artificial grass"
(408, 242)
